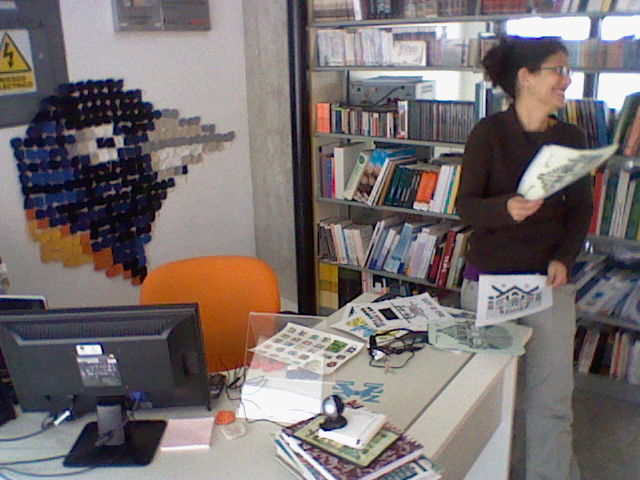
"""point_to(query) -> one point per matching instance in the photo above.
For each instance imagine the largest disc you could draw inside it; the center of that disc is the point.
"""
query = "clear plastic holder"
(290, 363)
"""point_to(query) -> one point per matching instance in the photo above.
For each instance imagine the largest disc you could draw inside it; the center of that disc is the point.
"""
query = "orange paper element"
(115, 270)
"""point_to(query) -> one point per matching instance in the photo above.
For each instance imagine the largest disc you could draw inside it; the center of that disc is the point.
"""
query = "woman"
(514, 235)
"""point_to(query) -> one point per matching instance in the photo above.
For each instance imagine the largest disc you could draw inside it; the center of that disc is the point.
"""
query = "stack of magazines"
(389, 455)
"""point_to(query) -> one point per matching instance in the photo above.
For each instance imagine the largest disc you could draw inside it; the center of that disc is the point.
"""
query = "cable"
(387, 95)
(35, 460)
(43, 428)
(45, 475)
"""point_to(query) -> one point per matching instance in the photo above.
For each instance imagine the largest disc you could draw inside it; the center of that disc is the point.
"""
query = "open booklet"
(462, 334)
(556, 166)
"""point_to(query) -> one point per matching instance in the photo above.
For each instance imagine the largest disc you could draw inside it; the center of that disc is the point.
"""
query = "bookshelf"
(324, 83)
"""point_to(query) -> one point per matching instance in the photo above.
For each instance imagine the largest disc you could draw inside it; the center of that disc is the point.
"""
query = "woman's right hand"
(519, 208)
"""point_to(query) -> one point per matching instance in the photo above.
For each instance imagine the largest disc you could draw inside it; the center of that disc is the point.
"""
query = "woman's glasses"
(561, 70)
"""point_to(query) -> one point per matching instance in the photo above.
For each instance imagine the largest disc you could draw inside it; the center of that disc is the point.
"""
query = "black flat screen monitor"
(74, 358)
(21, 302)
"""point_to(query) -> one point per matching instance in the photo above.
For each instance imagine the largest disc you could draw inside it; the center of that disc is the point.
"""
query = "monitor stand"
(131, 443)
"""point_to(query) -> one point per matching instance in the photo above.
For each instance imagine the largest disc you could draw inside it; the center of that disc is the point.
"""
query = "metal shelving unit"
(307, 72)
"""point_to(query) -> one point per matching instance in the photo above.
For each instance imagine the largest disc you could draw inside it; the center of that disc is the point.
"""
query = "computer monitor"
(21, 302)
(81, 358)
(10, 303)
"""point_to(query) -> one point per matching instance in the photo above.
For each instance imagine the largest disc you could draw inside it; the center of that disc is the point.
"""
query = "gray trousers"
(545, 388)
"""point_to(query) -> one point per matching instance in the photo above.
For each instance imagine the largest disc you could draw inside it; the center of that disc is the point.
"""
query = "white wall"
(210, 211)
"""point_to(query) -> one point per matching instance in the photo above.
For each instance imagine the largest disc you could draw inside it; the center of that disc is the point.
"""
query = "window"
(567, 28)
(613, 87)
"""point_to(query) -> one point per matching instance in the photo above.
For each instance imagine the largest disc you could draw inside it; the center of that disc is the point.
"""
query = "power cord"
(47, 423)
(42, 475)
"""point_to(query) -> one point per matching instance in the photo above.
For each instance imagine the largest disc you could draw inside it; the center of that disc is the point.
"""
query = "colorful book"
(424, 195)
(323, 117)
(598, 188)
(396, 256)
(357, 174)
(443, 270)
(610, 189)
(384, 158)
(345, 159)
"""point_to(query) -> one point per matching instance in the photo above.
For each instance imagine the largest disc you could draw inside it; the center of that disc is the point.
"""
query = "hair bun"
(496, 60)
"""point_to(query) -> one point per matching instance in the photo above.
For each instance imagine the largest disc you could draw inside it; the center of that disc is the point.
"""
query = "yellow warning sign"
(12, 60)
(16, 71)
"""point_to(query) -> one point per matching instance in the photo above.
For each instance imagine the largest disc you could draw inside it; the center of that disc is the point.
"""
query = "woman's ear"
(523, 79)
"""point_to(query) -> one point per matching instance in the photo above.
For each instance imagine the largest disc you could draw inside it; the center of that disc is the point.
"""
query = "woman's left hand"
(557, 273)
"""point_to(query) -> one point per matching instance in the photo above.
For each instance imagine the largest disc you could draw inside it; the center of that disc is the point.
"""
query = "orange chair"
(226, 289)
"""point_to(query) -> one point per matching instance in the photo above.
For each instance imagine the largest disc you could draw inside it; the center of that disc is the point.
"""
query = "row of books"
(371, 180)
(339, 286)
(593, 116)
(617, 202)
(489, 99)
(488, 7)
(436, 120)
(390, 454)
(336, 10)
(390, 176)
(368, 121)
(606, 288)
(430, 120)
(433, 251)
(570, 6)
(627, 133)
(600, 6)
(596, 53)
(398, 46)
(616, 211)
(606, 350)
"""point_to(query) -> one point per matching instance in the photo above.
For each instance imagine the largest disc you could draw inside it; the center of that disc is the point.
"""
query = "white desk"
(465, 425)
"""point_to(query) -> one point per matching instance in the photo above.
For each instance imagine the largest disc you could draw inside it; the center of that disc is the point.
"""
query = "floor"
(606, 437)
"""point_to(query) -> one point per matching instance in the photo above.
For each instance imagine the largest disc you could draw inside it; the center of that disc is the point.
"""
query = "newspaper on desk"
(415, 313)
(462, 334)
(556, 166)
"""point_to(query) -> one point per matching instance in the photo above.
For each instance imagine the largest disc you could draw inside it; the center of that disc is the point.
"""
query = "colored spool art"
(95, 165)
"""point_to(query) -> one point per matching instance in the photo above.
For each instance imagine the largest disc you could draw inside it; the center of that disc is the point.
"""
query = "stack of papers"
(187, 434)
(416, 312)
(391, 454)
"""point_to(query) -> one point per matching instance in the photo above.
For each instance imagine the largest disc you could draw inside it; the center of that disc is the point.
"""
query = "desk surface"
(444, 390)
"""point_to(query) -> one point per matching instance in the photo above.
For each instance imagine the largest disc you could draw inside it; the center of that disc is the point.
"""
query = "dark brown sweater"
(496, 155)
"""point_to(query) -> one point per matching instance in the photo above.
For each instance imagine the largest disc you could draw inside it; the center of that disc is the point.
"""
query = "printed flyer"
(308, 348)
(507, 297)
(415, 313)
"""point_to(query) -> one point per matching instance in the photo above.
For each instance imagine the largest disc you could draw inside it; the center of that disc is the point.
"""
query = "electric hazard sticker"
(16, 63)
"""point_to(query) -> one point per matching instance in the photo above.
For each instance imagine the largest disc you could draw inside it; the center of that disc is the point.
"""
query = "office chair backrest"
(227, 289)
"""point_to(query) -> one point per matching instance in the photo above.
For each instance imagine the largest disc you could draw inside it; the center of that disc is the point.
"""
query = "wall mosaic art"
(95, 165)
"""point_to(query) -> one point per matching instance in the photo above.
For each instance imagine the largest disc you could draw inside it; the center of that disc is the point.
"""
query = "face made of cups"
(95, 165)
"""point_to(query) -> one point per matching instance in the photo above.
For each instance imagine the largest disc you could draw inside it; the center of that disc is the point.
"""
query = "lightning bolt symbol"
(6, 53)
